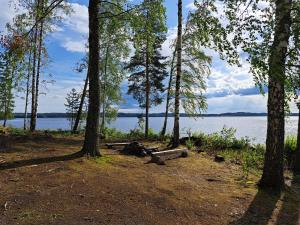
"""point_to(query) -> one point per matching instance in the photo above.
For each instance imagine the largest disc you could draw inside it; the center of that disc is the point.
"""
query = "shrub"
(290, 147)
(190, 144)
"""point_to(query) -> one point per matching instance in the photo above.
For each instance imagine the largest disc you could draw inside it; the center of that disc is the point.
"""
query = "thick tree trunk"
(297, 157)
(164, 129)
(79, 113)
(147, 90)
(178, 77)
(273, 167)
(27, 91)
(91, 141)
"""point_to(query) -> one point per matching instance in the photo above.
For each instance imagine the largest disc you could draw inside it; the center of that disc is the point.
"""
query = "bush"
(290, 147)
(190, 144)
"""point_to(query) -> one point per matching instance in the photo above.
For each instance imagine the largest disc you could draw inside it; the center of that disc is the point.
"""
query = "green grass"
(103, 160)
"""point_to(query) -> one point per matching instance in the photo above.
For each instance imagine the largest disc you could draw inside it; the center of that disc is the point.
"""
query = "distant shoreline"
(238, 114)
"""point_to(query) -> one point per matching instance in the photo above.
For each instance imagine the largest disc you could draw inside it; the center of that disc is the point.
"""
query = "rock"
(219, 158)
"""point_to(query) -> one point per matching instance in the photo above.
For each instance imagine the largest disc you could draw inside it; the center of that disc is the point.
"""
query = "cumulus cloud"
(77, 21)
(75, 46)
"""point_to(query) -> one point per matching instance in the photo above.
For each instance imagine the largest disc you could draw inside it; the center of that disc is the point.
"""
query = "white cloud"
(77, 21)
(73, 33)
(75, 46)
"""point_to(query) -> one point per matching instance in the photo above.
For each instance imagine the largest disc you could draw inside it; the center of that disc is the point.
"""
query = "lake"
(252, 127)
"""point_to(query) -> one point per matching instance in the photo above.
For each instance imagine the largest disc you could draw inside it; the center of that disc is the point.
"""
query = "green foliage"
(290, 147)
(114, 134)
(157, 74)
(190, 144)
(72, 105)
(225, 140)
(114, 49)
(290, 144)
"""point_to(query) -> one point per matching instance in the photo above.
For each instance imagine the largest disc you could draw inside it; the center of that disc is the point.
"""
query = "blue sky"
(230, 89)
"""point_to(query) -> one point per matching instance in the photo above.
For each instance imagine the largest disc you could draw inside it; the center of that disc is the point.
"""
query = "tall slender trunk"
(8, 96)
(273, 167)
(178, 77)
(164, 129)
(79, 113)
(147, 90)
(33, 81)
(91, 141)
(104, 92)
(5, 114)
(27, 90)
(37, 84)
(297, 157)
(32, 116)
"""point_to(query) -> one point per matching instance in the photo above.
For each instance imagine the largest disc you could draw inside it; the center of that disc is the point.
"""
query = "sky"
(230, 88)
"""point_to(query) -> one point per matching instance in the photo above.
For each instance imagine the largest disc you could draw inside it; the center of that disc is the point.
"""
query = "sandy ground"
(42, 183)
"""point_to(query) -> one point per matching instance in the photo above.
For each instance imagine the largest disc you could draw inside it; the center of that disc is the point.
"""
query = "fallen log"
(112, 145)
(162, 156)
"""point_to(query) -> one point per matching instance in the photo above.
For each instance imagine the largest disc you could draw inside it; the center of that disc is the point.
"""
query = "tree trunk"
(33, 81)
(32, 116)
(27, 91)
(37, 84)
(104, 91)
(164, 129)
(273, 167)
(147, 90)
(178, 77)
(91, 141)
(297, 157)
(5, 113)
(78, 115)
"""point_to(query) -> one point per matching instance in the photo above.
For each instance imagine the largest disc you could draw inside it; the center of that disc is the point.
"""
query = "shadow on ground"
(273, 208)
(38, 161)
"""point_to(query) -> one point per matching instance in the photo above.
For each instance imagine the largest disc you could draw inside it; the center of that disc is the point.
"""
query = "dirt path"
(50, 186)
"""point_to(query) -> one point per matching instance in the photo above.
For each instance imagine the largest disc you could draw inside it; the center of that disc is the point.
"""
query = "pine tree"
(157, 73)
(149, 25)
(72, 105)
(178, 76)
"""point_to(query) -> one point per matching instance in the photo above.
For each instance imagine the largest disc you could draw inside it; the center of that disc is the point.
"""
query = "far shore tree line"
(265, 33)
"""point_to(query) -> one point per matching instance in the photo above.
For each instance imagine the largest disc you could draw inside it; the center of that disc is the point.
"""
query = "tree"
(266, 34)
(169, 89)
(149, 25)
(72, 105)
(41, 16)
(195, 69)
(156, 74)
(176, 134)
(11, 71)
(80, 68)
(6, 87)
(114, 48)
(91, 141)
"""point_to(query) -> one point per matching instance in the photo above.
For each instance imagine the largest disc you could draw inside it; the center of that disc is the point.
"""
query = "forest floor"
(42, 183)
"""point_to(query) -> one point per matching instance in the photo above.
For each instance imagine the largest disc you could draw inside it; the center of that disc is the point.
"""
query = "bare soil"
(41, 182)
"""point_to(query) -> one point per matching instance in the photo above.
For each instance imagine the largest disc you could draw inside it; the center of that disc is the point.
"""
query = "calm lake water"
(252, 127)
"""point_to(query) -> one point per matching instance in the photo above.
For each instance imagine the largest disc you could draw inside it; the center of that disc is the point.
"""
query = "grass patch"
(103, 160)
